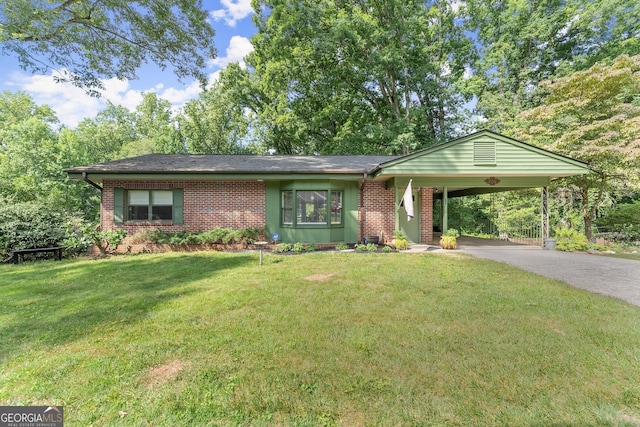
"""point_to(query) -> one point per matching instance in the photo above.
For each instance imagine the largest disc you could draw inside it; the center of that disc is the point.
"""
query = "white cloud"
(72, 104)
(238, 48)
(233, 11)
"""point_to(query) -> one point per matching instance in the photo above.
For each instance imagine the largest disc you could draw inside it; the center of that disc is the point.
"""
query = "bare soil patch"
(164, 373)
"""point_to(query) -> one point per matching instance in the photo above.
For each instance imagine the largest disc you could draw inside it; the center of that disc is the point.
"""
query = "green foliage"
(570, 240)
(622, 222)
(452, 232)
(402, 244)
(369, 247)
(387, 249)
(213, 123)
(26, 225)
(224, 236)
(296, 247)
(399, 234)
(352, 78)
(591, 116)
(80, 235)
(342, 246)
(283, 247)
(87, 41)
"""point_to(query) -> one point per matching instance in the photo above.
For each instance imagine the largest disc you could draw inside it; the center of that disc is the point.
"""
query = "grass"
(321, 339)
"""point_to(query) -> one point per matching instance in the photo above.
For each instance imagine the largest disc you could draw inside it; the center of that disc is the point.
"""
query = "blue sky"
(232, 22)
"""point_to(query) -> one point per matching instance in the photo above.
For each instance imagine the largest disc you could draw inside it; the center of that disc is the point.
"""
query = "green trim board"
(496, 182)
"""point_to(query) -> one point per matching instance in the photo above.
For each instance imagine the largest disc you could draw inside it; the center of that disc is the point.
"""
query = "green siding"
(346, 232)
(459, 158)
(178, 202)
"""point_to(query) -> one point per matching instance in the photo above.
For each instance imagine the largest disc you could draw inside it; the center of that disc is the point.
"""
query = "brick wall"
(426, 215)
(377, 211)
(207, 205)
(241, 204)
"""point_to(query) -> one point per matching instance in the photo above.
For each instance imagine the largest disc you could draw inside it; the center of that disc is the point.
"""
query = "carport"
(479, 163)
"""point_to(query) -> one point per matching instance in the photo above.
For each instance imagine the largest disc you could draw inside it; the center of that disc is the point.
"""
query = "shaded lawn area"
(328, 339)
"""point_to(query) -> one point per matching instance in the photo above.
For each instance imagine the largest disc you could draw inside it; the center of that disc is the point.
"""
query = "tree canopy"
(592, 115)
(89, 40)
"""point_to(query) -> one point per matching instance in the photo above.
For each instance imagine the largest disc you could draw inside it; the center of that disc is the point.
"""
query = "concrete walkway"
(615, 277)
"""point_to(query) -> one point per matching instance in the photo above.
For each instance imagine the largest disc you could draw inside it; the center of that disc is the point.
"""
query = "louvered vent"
(484, 153)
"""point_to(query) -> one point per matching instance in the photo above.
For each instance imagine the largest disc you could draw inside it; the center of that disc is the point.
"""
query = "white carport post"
(445, 210)
(544, 213)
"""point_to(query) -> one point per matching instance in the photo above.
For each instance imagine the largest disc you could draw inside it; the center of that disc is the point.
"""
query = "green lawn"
(318, 339)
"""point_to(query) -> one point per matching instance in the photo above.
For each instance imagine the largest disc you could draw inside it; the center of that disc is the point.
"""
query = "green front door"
(410, 227)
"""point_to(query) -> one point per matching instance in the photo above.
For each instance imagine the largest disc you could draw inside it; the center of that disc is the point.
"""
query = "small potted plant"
(449, 239)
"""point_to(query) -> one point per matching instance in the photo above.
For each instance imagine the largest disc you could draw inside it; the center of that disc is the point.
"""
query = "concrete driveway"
(615, 277)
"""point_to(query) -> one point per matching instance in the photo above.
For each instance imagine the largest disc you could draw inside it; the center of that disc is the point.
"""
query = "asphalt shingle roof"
(193, 163)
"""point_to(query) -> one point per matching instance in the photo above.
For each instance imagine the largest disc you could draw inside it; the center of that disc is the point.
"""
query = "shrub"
(622, 221)
(284, 247)
(452, 232)
(215, 236)
(28, 225)
(79, 236)
(448, 242)
(342, 246)
(401, 242)
(569, 240)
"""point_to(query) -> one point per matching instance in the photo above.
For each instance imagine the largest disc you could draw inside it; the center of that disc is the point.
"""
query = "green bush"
(79, 236)
(284, 247)
(622, 222)
(452, 232)
(342, 246)
(223, 236)
(369, 247)
(28, 225)
(570, 240)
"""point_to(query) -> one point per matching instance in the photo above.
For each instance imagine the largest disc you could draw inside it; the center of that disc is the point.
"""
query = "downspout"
(86, 179)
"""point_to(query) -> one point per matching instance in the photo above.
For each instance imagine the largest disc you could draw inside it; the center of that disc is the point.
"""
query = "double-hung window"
(160, 206)
(311, 207)
(149, 205)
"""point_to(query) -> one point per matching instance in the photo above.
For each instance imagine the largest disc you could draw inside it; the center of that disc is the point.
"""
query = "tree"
(522, 43)
(214, 123)
(104, 136)
(594, 116)
(347, 77)
(86, 40)
(154, 127)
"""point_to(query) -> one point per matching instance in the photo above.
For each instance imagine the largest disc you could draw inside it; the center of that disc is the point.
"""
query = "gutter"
(86, 179)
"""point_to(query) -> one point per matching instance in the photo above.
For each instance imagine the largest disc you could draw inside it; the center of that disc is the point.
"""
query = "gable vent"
(484, 153)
